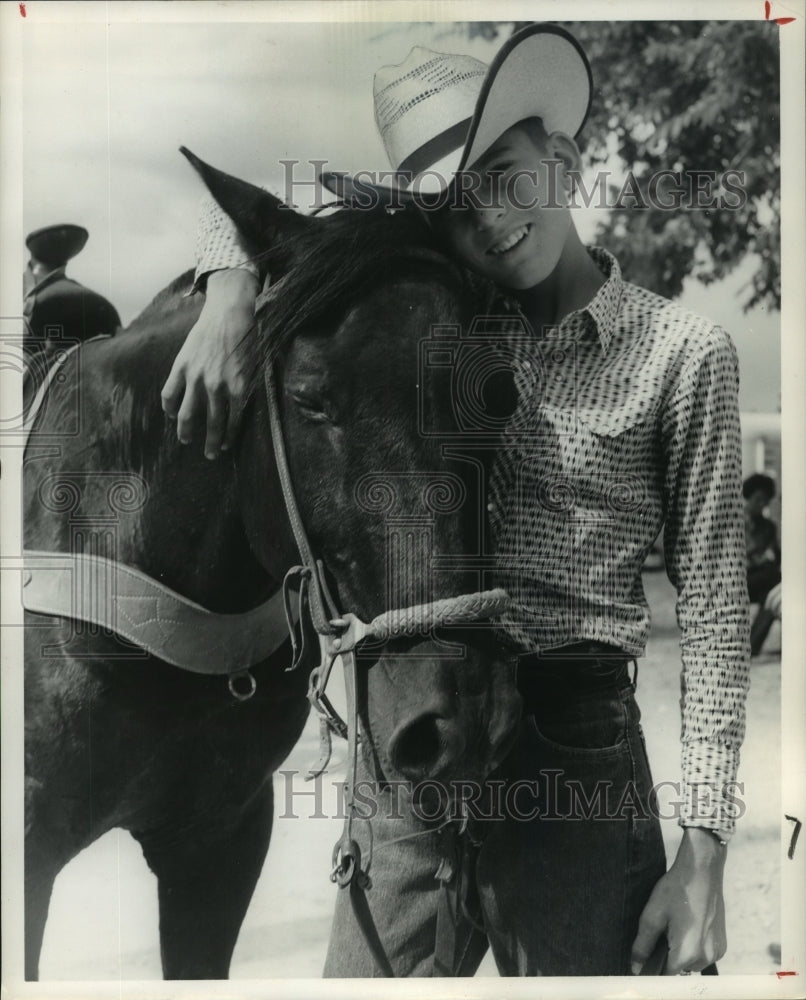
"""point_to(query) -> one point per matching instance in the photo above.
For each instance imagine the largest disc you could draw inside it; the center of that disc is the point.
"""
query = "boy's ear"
(562, 147)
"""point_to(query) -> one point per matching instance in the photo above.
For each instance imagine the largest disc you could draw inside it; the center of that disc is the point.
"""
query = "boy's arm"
(705, 555)
(211, 371)
(219, 244)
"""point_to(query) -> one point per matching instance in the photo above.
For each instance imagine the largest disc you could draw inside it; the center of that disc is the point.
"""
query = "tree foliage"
(686, 96)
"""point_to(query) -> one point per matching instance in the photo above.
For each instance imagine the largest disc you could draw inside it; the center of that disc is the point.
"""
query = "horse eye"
(310, 407)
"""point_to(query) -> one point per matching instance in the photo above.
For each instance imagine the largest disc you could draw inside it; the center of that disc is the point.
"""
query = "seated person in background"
(763, 553)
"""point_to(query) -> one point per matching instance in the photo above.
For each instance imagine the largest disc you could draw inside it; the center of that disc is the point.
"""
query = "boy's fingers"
(694, 956)
(191, 404)
(172, 391)
(655, 963)
(216, 422)
(684, 961)
(646, 941)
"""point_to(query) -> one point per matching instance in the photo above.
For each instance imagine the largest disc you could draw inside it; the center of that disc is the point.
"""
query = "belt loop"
(634, 681)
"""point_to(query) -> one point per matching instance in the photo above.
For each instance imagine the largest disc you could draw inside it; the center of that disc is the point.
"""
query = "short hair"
(758, 482)
(535, 129)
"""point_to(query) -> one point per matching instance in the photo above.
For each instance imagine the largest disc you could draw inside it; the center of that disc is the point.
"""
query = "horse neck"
(136, 494)
(196, 525)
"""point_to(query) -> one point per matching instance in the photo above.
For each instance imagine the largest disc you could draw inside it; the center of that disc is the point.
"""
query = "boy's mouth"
(510, 242)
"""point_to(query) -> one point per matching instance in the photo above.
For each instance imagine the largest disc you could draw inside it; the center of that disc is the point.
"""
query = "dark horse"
(116, 737)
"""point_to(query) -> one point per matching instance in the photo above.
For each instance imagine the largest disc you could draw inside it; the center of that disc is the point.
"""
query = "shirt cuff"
(202, 273)
(219, 245)
(712, 798)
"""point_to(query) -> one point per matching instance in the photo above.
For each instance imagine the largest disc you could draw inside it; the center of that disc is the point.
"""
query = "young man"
(626, 420)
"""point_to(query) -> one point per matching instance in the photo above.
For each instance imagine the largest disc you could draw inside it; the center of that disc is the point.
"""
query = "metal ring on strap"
(242, 685)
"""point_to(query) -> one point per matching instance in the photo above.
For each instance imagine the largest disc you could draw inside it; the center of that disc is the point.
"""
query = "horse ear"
(260, 217)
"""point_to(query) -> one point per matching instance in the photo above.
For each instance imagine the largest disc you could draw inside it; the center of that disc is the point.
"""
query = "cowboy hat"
(55, 245)
(437, 113)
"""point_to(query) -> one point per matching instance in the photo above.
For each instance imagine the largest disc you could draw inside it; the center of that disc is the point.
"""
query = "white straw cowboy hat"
(437, 113)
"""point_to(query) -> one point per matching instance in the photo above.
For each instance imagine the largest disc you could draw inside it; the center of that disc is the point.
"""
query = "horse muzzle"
(427, 745)
(455, 723)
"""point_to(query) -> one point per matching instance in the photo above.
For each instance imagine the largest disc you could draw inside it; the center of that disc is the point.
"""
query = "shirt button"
(491, 507)
(558, 357)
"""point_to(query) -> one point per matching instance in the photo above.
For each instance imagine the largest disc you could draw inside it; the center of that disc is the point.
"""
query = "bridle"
(340, 635)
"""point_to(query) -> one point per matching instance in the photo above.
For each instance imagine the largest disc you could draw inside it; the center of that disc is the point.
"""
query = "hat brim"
(540, 72)
(57, 244)
(361, 193)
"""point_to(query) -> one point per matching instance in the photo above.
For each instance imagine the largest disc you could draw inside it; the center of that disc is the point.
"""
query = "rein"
(339, 637)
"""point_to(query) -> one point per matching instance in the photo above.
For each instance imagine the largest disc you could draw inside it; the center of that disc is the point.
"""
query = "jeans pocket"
(593, 727)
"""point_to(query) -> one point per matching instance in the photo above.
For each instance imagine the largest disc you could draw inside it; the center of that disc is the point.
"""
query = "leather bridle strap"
(320, 616)
(339, 636)
(347, 868)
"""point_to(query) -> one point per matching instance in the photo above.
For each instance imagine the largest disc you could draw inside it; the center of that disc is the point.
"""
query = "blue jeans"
(562, 853)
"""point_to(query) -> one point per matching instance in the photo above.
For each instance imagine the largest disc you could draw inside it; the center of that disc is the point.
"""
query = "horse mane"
(345, 254)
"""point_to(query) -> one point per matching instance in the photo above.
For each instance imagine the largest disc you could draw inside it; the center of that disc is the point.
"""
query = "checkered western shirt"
(627, 422)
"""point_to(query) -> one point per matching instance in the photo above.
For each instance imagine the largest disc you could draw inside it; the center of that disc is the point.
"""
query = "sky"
(106, 106)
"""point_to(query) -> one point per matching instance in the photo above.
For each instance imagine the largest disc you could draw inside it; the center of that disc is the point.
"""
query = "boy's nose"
(487, 217)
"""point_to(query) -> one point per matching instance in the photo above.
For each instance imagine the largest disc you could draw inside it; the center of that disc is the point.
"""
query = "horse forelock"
(335, 263)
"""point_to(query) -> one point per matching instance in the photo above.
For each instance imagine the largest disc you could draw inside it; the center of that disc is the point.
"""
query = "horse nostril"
(417, 745)
(420, 748)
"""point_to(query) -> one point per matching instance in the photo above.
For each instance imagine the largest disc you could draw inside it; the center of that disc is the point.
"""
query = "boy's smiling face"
(515, 223)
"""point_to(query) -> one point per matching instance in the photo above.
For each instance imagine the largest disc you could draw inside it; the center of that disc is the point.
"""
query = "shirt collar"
(603, 308)
(600, 315)
(50, 277)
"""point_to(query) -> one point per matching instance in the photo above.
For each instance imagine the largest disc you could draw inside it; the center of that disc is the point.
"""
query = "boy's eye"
(498, 168)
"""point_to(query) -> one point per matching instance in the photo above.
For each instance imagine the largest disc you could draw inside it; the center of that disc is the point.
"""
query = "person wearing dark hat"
(631, 402)
(57, 309)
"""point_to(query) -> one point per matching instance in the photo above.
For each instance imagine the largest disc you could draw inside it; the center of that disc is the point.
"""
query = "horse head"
(397, 517)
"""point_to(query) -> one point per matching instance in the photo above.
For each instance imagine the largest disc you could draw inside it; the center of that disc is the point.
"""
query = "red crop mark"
(787, 973)
(767, 9)
(22, 10)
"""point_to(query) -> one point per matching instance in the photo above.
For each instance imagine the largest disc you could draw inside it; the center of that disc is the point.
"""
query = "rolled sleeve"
(705, 555)
(219, 244)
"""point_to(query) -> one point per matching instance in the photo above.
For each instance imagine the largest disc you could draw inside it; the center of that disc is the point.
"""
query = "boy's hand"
(211, 371)
(687, 905)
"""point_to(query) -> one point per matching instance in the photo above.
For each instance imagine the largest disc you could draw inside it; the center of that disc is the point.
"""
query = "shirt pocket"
(618, 400)
(612, 420)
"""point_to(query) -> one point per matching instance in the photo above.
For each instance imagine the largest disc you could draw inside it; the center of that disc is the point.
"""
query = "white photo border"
(15, 17)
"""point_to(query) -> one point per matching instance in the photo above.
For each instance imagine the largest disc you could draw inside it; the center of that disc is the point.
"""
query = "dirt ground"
(103, 918)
